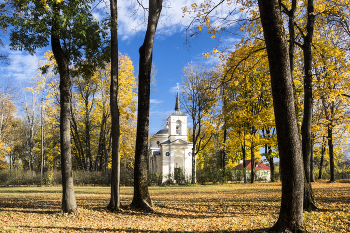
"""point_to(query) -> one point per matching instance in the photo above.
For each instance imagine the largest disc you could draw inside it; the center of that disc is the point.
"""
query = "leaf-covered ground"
(231, 207)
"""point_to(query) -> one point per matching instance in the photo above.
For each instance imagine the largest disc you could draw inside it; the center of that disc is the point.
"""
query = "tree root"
(143, 206)
(290, 227)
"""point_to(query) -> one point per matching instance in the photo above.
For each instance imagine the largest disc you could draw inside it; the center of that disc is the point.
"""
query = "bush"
(90, 178)
(53, 177)
(18, 177)
(154, 178)
(126, 177)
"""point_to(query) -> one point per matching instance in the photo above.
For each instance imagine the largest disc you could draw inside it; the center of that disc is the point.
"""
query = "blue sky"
(170, 55)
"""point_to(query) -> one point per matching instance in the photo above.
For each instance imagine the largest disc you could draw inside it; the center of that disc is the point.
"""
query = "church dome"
(163, 131)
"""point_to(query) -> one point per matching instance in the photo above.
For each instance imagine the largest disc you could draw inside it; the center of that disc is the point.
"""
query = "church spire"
(177, 104)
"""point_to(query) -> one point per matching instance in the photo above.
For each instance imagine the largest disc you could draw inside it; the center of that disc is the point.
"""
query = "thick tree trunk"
(114, 203)
(309, 203)
(68, 198)
(291, 165)
(142, 199)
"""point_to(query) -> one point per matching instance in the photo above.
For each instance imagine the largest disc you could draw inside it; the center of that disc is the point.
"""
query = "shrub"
(154, 178)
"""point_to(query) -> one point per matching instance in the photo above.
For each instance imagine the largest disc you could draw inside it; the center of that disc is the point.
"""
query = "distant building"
(262, 171)
(169, 148)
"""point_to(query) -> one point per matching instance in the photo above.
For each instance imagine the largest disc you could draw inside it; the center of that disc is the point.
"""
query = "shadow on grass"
(37, 190)
(87, 229)
(34, 211)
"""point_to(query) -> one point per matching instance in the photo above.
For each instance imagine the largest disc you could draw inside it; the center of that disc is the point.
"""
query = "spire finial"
(177, 104)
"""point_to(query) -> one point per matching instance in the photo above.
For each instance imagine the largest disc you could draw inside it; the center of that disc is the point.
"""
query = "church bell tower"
(177, 122)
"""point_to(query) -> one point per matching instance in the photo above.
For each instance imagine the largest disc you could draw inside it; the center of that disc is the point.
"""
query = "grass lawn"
(230, 207)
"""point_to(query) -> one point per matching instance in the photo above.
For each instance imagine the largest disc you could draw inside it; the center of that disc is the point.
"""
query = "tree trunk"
(331, 155)
(114, 203)
(224, 152)
(272, 167)
(252, 163)
(194, 161)
(323, 151)
(291, 213)
(244, 164)
(77, 141)
(100, 147)
(68, 199)
(88, 165)
(31, 144)
(309, 203)
(312, 177)
(42, 142)
(142, 199)
(107, 151)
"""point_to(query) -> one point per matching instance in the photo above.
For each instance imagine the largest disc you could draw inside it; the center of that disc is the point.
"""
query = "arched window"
(178, 127)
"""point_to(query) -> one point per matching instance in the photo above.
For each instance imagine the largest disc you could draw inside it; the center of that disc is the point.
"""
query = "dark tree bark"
(309, 203)
(142, 199)
(291, 213)
(77, 141)
(194, 149)
(272, 167)
(224, 107)
(114, 203)
(107, 151)
(252, 163)
(100, 148)
(331, 155)
(268, 151)
(244, 164)
(68, 200)
(87, 135)
(312, 177)
(323, 151)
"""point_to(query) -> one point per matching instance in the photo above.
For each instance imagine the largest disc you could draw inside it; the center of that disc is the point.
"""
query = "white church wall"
(188, 163)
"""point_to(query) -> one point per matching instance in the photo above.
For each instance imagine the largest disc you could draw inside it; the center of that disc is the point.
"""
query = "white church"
(169, 148)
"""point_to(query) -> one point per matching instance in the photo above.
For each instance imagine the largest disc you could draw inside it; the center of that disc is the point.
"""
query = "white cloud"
(155, 113)
(97, 16)
(132, 18)
(155, 101)
(173, 89)
(23, 66)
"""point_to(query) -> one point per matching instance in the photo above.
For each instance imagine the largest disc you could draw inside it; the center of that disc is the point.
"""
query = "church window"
(178, 127)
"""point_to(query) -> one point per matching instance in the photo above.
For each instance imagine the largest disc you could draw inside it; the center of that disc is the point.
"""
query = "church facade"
(169, 148)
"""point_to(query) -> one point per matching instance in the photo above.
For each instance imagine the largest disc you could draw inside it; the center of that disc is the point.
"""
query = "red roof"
(258, 165)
